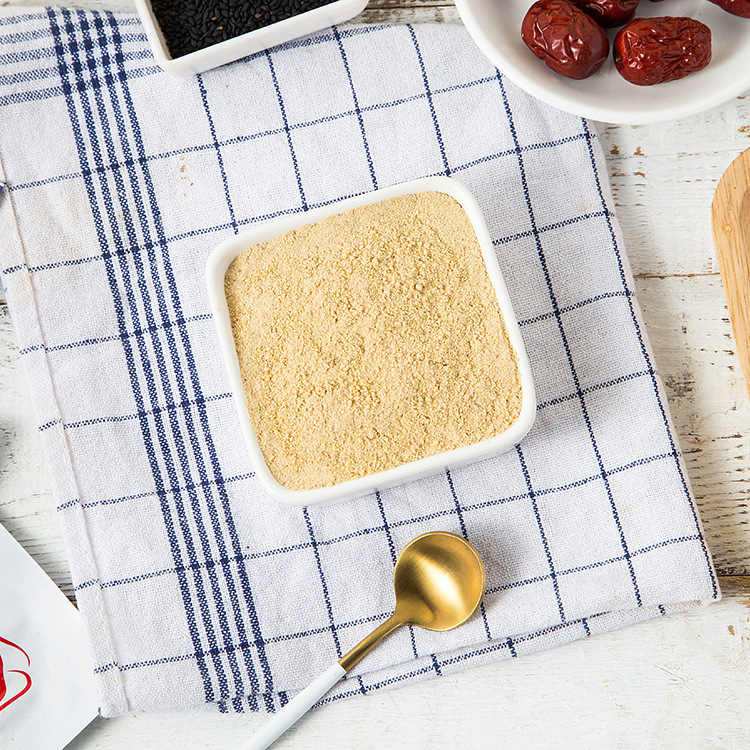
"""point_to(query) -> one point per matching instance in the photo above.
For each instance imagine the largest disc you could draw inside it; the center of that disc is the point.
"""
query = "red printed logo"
(13, 682)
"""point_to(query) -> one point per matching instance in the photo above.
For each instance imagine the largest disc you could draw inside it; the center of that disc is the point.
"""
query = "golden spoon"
(439, 582)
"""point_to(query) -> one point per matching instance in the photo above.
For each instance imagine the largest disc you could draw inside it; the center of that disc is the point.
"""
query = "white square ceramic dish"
(246, 44)
(227, 251)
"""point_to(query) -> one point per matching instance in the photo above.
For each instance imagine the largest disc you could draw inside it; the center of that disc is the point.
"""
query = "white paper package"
(47, 688)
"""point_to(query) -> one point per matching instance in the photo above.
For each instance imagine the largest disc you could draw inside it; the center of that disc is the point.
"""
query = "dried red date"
(737, 7)
(609, 13)
(570, 42)
(655, 50)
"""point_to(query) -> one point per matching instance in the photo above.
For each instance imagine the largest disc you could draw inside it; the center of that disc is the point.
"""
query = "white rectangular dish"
(220, 260)
(227, 51)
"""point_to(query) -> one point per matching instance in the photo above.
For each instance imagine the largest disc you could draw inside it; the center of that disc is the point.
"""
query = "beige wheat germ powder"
(371, 339)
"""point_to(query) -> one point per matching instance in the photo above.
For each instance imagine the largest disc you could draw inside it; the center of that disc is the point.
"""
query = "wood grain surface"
(730, 213)
(681, 681)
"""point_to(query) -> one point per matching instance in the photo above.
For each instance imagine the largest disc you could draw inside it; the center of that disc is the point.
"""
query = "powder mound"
(371, 339)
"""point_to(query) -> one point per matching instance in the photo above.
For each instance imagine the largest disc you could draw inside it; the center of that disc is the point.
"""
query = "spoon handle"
(299, 705)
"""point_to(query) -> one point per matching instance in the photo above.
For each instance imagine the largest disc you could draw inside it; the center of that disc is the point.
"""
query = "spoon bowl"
(439, 581)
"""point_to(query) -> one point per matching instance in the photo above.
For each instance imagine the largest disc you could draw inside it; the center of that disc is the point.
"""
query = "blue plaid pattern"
(197, 588)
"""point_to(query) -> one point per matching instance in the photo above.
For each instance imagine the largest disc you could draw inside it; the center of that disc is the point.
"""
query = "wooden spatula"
(731, 224)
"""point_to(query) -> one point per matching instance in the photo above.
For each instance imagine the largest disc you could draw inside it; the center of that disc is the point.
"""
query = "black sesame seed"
(190, 25)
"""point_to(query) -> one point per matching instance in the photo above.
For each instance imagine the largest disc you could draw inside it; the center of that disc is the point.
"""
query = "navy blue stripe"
(244, 583)
(153, 493)
(180, 444)
(221, 396)
(124, 19)
(128, 351)
(127, 187)
(146, 54)
(295, 44)
(647, 359)
(115, 337)
(593, 388)
(386, 528)
(370, 165)
(250, 221)
(563, 336)
(30, 96)
(425, 82)
(419, 671)
(324, 584)
(55, 91)
(208, 316)
(457, 505)
(542, 534)
(590, 566)
(397, 524)
(549, 227)
(348, 113)
(20, 17)
(369, 619)
(217, 148)
(270, 641)
(126, 190)
(384, 615)
(392, 549)
(435, 665)
(11, 58)
(43, 32)
(361, 684)
(462, 524)
(282, 108)
(575, 306)
(25, 36)
(127, 19)
(129, 417)
(498, 646)
(48, 180)
(484, 650)
(378, 529)
(76, 501)
(118, 164)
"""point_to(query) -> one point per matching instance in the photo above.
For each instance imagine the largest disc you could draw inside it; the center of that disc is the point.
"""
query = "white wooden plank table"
(680, 681)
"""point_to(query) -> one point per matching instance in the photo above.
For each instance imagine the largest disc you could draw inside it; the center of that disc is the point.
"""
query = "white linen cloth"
(197, 589)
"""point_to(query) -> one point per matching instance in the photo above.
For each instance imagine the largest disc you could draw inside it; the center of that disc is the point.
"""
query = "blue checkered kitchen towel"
(196, 587)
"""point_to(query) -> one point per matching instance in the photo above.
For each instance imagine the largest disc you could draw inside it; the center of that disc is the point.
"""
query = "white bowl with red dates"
(647, 51)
